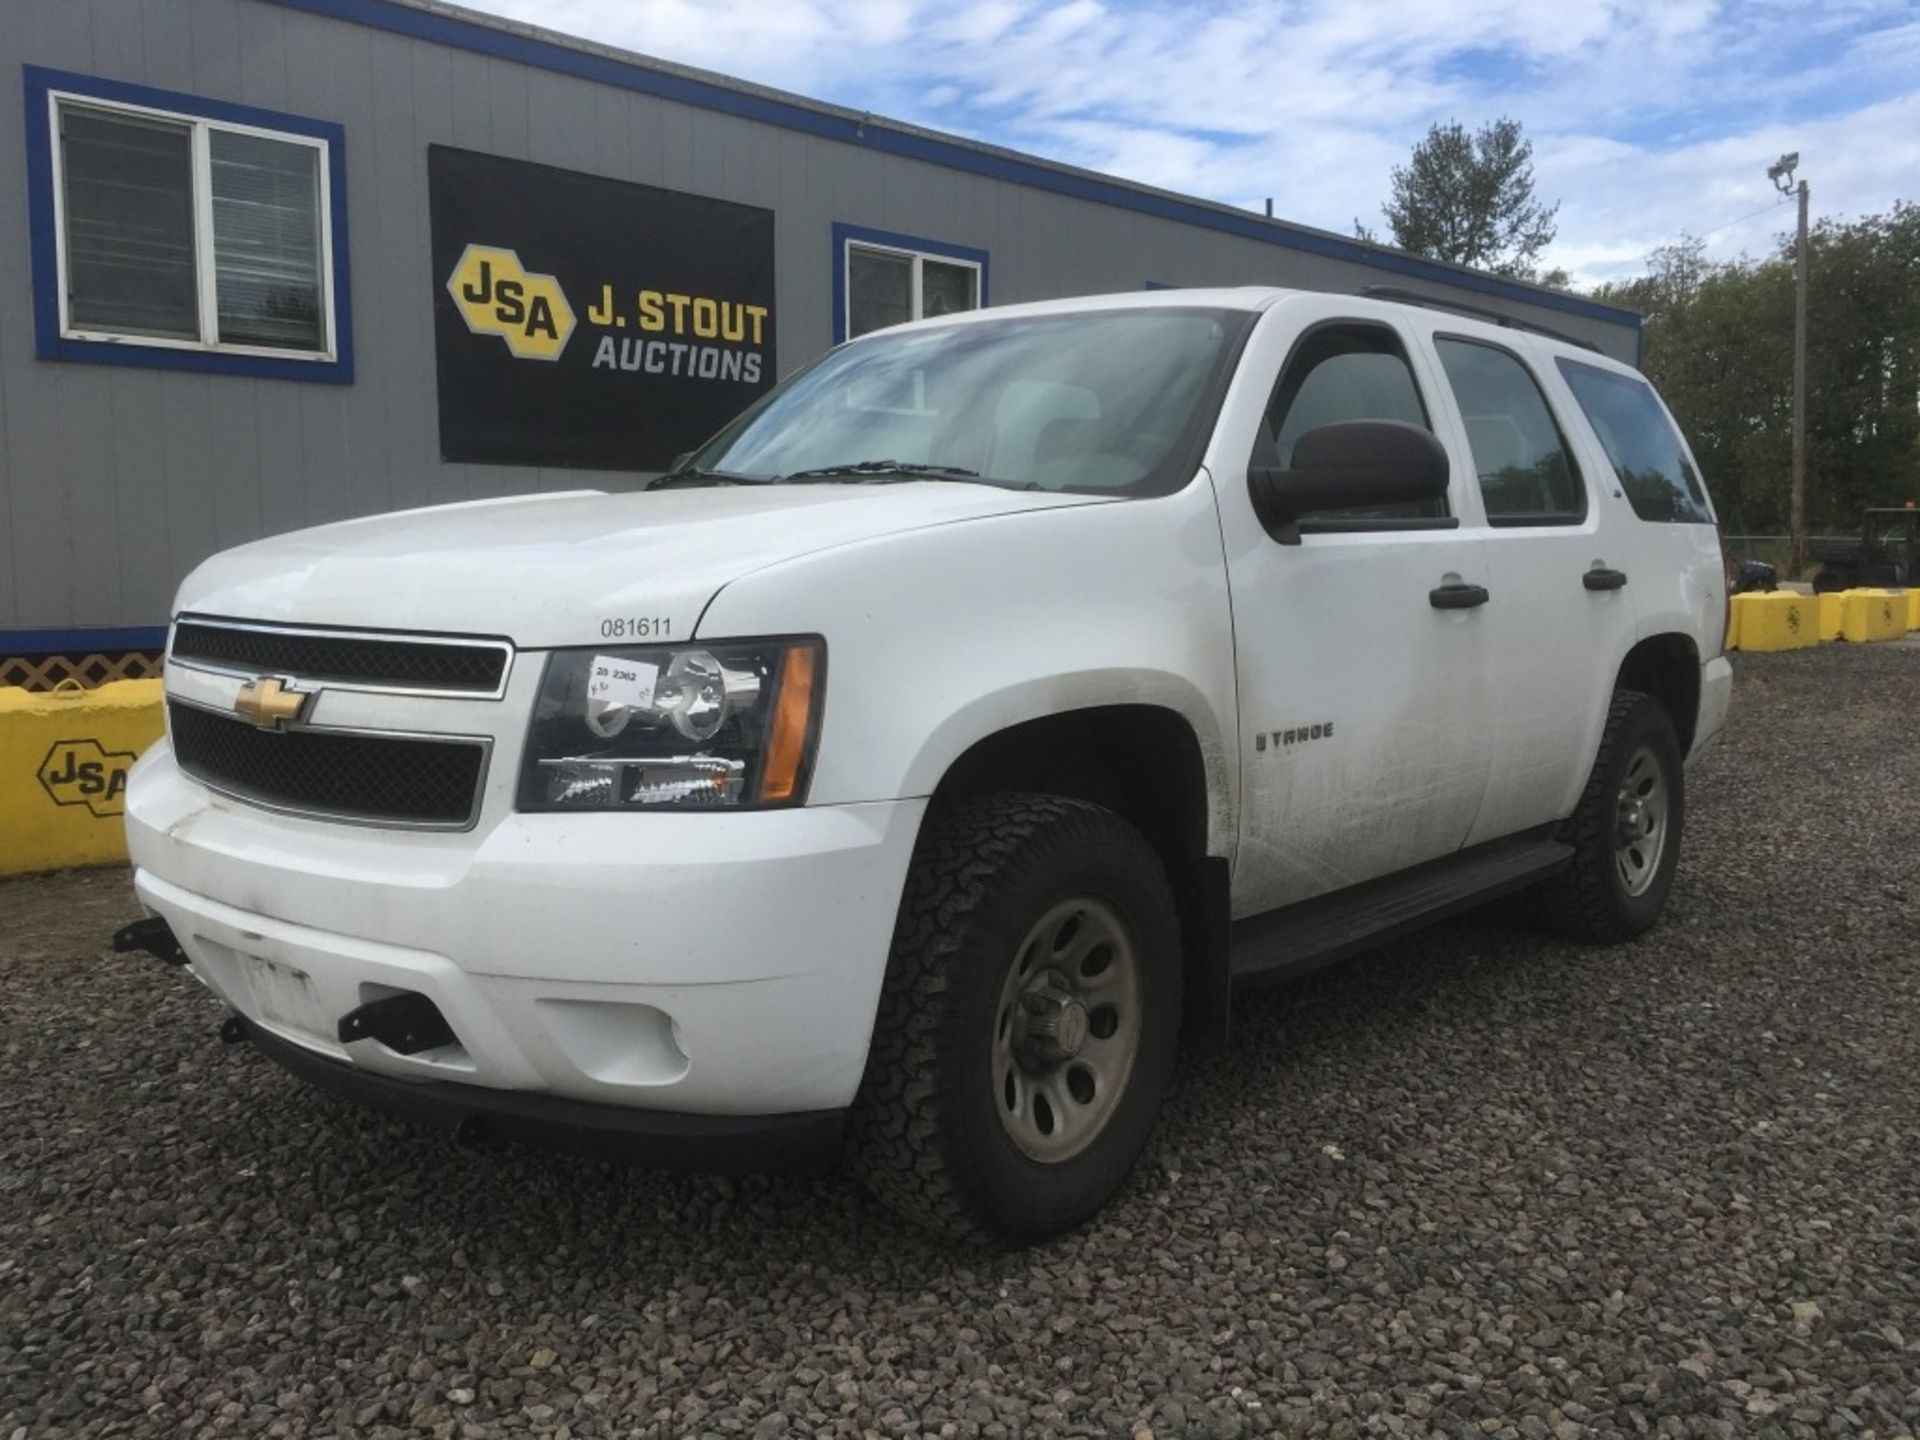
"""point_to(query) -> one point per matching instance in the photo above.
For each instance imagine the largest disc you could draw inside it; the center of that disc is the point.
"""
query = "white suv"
(927, 757)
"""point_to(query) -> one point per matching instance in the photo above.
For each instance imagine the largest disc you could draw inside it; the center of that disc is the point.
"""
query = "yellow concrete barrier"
(1913, 608)
(1831, 606)
(64, 758)
(1779, 620)
(1873, 615)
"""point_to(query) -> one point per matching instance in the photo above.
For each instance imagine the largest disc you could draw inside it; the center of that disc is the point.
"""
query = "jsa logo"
(83, 772)
(496, 296)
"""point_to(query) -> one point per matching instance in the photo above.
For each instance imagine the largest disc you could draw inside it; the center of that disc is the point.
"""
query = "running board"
(1288, 942)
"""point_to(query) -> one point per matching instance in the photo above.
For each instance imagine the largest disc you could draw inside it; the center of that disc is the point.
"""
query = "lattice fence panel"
(49, 672)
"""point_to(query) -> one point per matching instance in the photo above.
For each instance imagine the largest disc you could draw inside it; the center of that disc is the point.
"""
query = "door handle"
(1601, 578)
(1457, 597)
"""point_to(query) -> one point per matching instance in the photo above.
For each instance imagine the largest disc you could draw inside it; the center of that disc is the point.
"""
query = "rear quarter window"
(1642, 444)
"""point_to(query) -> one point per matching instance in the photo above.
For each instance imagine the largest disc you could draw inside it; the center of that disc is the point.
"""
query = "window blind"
(266, 241)
(129, 224)
(880, 290)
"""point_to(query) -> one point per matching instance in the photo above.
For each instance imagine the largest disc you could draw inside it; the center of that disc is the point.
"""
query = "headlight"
(687, 727)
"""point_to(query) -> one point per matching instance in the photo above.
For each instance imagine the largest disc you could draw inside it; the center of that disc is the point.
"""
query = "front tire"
(1029, 1020)
(1626, 832)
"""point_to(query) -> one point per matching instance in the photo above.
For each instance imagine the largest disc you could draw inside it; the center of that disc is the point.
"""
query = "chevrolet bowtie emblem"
(268, 704)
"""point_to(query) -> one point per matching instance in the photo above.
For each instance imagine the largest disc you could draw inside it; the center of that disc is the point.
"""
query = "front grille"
(347, 658)
(378, 779)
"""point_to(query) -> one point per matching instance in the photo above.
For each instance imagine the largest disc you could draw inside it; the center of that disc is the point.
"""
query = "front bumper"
(684, 964)
(709, 1144)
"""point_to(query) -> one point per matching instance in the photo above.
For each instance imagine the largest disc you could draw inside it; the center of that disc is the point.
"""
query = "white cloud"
(1649, 117)
(1624, 201)
(979, 24)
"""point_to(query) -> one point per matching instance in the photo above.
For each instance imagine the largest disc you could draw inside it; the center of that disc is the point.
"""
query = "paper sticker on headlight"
(622, 682)
(616, 687)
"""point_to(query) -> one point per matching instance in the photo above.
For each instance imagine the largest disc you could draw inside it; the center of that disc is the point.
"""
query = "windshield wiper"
(677, 478)
(880, 469)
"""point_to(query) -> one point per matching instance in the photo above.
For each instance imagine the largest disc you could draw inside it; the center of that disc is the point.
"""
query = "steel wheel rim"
(1066, 1031)
(1640, 824)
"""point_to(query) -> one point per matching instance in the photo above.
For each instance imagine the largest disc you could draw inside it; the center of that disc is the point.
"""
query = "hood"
(573, 568)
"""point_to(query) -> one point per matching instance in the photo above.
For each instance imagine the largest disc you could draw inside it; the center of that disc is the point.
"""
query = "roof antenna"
(1269, 207)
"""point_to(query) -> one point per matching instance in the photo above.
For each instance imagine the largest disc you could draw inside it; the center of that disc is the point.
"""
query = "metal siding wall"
(116, 481)
(393, 287)
(9, 589)
(37, 551)
(213, 31)
(169, 45)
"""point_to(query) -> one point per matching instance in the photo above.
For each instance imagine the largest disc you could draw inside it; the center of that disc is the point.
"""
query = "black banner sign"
(588, 322)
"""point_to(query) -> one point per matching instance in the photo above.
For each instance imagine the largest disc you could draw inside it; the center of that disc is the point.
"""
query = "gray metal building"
(251, 283)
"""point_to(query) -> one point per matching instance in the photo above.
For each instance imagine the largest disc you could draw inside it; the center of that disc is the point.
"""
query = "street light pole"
(1781, 173)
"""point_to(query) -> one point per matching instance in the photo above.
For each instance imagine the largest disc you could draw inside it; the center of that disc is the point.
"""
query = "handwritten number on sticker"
(612, 680)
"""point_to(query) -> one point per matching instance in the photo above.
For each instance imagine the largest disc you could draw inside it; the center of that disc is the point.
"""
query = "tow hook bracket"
(406, 1023)
(151, 936)
(232, 1032)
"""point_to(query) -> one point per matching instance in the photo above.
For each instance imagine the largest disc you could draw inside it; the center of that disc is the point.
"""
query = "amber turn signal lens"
(793, 713)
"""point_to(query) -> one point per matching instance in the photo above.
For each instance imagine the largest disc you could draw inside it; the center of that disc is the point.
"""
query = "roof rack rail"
(1460, 307)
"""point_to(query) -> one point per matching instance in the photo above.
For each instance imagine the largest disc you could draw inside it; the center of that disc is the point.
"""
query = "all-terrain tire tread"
(901, 1151)
(1579, 902)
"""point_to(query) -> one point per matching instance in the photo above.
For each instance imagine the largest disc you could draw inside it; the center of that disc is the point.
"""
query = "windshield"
(1115, 401)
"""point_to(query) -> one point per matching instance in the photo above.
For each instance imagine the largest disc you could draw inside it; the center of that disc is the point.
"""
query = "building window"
(887, 287)
(186, 233)
(183, 231)
(890, 279)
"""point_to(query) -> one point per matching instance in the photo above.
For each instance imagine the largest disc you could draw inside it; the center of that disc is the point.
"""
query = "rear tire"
(1626, 831)
(1028, 1025)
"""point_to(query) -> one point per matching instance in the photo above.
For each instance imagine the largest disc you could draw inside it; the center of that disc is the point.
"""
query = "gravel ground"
(1480, 1184)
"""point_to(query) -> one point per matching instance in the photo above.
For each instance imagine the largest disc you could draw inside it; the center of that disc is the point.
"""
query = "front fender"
(1037, 699)
(938, 638)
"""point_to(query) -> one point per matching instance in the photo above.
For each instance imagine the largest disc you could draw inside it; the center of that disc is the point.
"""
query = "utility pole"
(1781, 173)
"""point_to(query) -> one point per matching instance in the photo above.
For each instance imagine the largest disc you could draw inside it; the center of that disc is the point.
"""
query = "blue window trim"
(83, 640)
(843, 234)
(50, 344)
(791, 114)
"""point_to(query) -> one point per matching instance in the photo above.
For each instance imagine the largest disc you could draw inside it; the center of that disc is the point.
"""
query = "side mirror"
(1353, 465)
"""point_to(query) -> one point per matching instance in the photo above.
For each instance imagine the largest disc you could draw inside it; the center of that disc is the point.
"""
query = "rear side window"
(1526, 474)
(1348, 372)
(1654, 472)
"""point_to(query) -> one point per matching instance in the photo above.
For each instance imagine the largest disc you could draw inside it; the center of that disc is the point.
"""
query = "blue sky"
(1649, 117)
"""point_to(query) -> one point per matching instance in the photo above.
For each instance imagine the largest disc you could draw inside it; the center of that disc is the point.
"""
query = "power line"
(1736, 220)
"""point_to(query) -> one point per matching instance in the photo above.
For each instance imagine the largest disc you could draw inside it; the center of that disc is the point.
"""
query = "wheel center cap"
(1072, 1031)
(1054, 1026)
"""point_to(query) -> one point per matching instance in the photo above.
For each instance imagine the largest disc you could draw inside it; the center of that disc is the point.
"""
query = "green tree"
(1863, 365)
(1719, 344)
(1469, 199)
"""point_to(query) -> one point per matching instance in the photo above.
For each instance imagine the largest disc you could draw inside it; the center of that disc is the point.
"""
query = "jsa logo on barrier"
(83, 772)
(496, 296)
